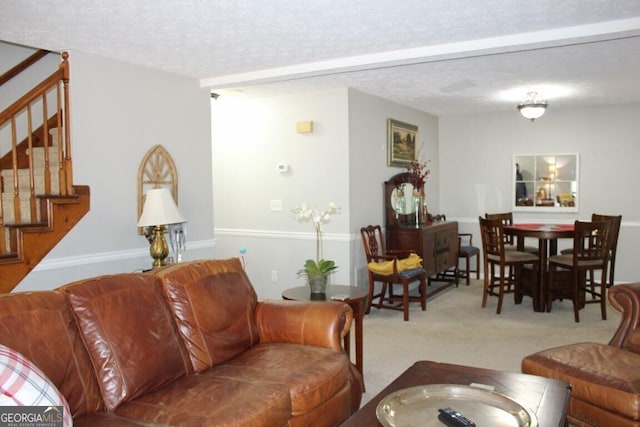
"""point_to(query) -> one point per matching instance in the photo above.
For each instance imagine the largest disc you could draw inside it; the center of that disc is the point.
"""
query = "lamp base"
(159, 249)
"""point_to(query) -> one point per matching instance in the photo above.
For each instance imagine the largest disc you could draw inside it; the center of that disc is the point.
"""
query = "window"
(545, 182)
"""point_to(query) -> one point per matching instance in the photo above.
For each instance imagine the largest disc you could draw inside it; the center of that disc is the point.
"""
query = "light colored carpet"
(456, 329)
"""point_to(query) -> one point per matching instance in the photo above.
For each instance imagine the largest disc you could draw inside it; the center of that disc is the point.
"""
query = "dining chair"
(616, 221)
(503, 262)
(507, 219)
(591, 249)
(615, 232)
(468, 252)
(375, 252)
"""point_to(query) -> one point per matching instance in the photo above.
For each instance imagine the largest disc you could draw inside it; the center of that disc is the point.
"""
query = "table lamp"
(158, 211)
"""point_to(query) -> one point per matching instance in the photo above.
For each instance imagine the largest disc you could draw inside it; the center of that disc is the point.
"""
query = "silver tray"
(418, 407)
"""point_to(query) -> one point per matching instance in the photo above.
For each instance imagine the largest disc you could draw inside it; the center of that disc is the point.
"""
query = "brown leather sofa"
(188, 344)
(604, 378)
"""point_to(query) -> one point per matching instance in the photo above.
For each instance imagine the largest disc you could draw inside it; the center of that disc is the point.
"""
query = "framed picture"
(401, 143)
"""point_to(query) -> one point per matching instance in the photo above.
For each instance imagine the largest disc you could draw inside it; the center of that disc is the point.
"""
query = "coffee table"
(547, 398)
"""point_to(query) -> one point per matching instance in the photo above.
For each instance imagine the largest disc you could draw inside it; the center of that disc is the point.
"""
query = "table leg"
(358, 307)
(543, 255)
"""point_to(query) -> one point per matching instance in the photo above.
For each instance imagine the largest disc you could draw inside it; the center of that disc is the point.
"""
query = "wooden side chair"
(591, 249)
(615, 232)
(499, 262)
(507, 219)
(374, 248)
(616, 221)
(468, 251)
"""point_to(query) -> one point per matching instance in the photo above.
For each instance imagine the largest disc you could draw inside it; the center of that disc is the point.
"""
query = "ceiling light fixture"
(532, 108)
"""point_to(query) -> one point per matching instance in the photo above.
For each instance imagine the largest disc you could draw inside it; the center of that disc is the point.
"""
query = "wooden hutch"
(437, 242)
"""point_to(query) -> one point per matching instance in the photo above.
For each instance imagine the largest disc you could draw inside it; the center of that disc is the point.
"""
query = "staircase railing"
(17, 124)
(14, 71)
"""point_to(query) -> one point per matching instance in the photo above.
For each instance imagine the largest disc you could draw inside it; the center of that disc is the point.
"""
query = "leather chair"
(498, 259)
(604, 378)
(468, 251)
(591, 248)
(374, 248)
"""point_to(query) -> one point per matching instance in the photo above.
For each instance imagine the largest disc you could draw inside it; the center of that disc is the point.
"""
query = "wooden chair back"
(493, 238)
(616, 221)
(507, 219)
(591, 243)
(372, 242)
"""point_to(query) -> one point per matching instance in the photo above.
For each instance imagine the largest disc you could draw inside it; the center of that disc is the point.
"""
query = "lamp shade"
(159, 209)
(532, 111)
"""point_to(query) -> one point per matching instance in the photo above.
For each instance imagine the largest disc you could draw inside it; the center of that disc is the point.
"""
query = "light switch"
(276, 205)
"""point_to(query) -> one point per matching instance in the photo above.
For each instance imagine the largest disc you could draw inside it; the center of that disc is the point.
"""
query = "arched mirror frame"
(157, 170)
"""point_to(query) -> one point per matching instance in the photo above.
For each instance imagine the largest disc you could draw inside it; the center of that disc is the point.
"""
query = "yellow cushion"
(386, 267)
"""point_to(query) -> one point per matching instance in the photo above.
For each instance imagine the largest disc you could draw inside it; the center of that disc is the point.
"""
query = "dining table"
(547, 236)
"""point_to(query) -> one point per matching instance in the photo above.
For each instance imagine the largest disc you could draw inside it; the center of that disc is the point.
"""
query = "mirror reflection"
(402, 199)
(546, 181)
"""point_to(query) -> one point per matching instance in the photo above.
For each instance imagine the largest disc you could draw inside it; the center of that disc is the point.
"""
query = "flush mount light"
(532, 108)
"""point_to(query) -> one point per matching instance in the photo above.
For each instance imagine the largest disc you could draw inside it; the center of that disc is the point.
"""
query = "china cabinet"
(408, 228)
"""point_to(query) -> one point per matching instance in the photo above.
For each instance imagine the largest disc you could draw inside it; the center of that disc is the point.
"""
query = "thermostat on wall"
(283, 167)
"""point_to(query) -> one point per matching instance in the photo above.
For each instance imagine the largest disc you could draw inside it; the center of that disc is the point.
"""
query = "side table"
(351, 295)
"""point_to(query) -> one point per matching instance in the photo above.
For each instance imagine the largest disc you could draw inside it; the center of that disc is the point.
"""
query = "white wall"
(368, 169)
(250, 138)
(118, 112)
(10, 56)
(476, 167)
(343, 160)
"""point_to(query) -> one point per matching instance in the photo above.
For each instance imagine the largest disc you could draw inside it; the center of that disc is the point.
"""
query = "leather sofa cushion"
(145, 358)
(214, 304)
(40, 326)
(632, 343)
(196, 400)
(598, 373)
(312, 374)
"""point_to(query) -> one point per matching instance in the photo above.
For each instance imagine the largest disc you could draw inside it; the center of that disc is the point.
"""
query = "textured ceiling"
(441, 56)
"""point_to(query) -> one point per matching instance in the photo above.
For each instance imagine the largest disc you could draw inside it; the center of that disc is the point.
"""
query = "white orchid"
(306, 213)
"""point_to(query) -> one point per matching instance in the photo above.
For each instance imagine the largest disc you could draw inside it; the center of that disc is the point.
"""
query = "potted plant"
(316, 270)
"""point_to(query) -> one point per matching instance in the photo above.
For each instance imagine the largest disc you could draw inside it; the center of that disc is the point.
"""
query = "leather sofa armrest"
(626, 299)
(322, 324)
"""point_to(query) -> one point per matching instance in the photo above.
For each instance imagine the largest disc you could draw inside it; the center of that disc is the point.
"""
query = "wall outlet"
(274, 275)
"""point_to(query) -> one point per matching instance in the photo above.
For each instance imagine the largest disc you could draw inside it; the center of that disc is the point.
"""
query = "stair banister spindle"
(67, 164)
(62, 182)
(47, 170)
(14, 157)
(32, 184)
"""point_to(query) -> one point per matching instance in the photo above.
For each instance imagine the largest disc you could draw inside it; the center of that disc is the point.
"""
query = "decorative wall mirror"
(402, 199)
(157, 170)
(545, 182)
